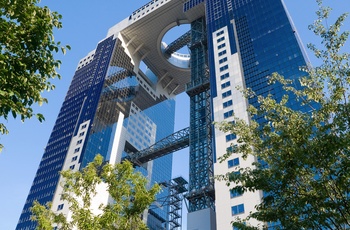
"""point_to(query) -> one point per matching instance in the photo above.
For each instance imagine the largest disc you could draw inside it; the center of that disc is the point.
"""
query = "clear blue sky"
(85, 23)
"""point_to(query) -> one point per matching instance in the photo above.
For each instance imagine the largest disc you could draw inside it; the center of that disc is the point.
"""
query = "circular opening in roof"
(174, 46)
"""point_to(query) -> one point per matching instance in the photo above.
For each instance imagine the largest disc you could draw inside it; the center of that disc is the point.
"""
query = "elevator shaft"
(201, 186)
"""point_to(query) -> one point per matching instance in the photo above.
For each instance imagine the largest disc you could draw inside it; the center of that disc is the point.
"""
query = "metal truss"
(201, 188)
(182, 41)
(177, 187)
(198, 85)
(167, 145)
(198, 136)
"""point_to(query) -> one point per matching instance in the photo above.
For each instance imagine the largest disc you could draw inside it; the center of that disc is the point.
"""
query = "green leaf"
(26, 57)
(80, 186)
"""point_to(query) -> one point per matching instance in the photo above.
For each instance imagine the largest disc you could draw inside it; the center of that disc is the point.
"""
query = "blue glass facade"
(161, 166)
(267, 44)
(79, 104)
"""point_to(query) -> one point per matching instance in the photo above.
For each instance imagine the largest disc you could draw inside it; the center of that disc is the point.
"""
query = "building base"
(201, 220)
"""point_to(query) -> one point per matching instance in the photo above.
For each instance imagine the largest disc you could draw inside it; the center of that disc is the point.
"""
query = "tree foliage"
(27, 60)
(304, 155)
(128, 189)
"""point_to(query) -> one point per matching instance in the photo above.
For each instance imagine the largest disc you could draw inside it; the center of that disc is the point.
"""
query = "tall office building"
(254, 39)
(114, 108)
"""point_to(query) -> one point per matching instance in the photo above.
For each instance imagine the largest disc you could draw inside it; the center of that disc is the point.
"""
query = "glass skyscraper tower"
(114, 108)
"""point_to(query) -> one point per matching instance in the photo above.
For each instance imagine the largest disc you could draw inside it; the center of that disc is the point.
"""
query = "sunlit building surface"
(116, 107)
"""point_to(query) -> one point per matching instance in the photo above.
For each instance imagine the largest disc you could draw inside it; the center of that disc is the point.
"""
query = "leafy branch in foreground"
(27, 60)
(127, 188)
(304, 155)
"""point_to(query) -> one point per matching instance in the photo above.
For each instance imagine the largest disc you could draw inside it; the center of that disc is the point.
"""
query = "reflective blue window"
(226, 94)
(227, 104)
(222, 53)
(231, 148)
(223, 60)
(225, 67)
(228, 114)
(224, 76)
(230, 137)
(219, 33)
(225, 85)
(220, 39)
(60, 207)
(233, 162)
(221, 46)
(235, 193)
(237, 209)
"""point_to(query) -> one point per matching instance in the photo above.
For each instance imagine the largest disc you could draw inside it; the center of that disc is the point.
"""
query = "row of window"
(138, 12)
(190, 4)
(36, 191)
(224, 76)
(238, 209)
(49, 170)
(75, 158)
(150, 91)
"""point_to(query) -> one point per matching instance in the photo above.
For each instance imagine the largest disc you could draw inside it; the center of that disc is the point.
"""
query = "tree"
(127, 188)
(303, 157)
(27, 60)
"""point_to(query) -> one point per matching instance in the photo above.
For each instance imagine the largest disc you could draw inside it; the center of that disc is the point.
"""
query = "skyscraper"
(256, 40)
(115, 107)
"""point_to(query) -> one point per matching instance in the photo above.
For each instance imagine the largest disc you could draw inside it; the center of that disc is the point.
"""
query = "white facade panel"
(71, 163)
(229, 80)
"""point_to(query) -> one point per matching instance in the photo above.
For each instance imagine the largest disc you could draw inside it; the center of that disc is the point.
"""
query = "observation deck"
(143, 39)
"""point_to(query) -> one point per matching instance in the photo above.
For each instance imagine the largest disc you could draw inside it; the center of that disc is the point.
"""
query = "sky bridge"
(172, 143)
